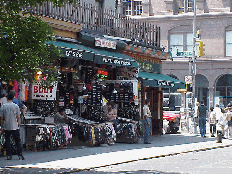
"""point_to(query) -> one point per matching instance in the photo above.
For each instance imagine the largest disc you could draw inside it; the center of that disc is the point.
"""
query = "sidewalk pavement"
(82, 158)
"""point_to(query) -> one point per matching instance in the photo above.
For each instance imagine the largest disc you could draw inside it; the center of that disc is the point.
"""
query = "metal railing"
(104, 21)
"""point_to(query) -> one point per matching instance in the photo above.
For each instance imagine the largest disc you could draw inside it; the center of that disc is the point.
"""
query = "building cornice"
(185, 16)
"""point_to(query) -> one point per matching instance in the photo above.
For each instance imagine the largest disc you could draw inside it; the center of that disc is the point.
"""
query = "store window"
(228, 43)
(133, 7)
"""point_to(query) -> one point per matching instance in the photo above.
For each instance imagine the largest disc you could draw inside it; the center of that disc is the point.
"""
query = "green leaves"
(22, 43)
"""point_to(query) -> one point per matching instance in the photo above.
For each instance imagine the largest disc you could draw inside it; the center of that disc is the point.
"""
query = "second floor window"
(181, 42)
(132, 7)
(228, 43)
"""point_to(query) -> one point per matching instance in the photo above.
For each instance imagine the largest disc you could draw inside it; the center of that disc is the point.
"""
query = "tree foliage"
(22, 43)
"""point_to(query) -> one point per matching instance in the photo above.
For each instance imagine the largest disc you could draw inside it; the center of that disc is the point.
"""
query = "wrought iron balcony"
(103, 21)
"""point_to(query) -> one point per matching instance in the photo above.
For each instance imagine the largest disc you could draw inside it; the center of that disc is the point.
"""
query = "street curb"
(157, 156)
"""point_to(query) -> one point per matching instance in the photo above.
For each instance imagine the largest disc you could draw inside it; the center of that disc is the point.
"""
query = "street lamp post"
(194, 68)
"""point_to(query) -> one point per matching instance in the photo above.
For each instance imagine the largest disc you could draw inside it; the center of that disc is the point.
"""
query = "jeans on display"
(202, 125)
(16, 137)
(212, 129)
(147, 130)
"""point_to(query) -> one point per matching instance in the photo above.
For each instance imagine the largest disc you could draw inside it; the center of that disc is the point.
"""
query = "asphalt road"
(215, 161)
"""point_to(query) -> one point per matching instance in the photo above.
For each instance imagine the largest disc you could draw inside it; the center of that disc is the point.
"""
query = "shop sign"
(102, 74)
(155, 67)
(99, 42)
(162, 83)
(116, 61)
(74, 54)
(165, 83)
(41, 93)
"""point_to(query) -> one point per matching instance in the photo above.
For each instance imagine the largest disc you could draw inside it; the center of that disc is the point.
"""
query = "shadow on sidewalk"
(80, 151)
(64, 171)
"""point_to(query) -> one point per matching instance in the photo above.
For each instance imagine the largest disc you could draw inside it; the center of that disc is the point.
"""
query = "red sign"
(102, 72)
(39, 89)
(39, 92)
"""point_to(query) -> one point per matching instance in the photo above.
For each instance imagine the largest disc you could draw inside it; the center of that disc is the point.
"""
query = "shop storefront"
(152, 83)
(89, 78)
(97, 77)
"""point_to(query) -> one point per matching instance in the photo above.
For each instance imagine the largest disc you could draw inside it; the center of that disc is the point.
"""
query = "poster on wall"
(41, 93)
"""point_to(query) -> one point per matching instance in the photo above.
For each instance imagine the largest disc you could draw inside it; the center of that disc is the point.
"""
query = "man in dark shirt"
(202, 109)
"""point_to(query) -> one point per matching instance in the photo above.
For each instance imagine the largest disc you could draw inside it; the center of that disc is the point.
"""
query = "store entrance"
(155, 96)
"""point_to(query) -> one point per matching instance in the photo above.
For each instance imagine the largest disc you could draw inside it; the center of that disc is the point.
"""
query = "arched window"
(223, 90)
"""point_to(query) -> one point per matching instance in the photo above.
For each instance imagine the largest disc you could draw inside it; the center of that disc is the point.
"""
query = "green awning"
(160, 80)
(73, 50)
(99, 56)
(113, 58)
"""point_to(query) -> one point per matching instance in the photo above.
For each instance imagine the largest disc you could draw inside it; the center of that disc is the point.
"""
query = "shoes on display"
(9, 158)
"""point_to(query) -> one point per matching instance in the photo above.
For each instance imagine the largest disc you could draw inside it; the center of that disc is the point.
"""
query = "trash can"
(219, 136)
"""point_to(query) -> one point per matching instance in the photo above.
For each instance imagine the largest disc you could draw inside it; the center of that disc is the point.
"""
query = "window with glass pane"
(185, 3)
(176, 42)
(181, 5)
(229, 43)
(137, 7)
(189, 43)
(127, 8)
(190, 5)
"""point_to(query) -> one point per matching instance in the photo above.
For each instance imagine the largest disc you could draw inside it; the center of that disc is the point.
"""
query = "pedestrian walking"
(202, 119)
(196, 118)
(10, 123)
(3, 99)
(212, 122)
(229, 136)
(222, 122)
(228, 120)
(218, 112)
(147, 121)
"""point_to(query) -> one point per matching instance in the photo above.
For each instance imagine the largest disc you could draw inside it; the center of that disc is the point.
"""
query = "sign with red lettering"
(41, 93)
(99, 42)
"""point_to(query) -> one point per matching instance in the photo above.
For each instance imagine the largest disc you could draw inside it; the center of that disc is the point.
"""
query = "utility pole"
(194, 69)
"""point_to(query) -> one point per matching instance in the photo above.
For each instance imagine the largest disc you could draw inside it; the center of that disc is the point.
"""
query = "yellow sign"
(181, 90)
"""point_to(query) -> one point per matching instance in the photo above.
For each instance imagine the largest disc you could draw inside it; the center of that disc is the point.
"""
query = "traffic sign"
(188, 79)
(184, 53)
